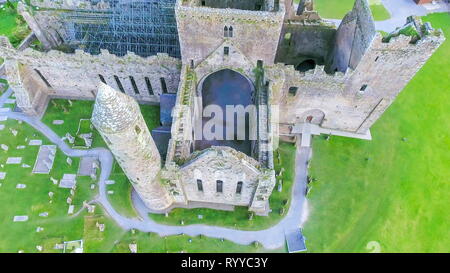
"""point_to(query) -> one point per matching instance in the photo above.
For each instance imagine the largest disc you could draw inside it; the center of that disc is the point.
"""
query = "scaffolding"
(145, 27)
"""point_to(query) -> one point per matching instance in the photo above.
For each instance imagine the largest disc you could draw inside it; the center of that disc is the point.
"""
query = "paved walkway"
(270, 238)
(399, 11)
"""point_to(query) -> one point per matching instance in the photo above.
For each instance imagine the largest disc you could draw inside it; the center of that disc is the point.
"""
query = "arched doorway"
(226, 88)
(306, 65)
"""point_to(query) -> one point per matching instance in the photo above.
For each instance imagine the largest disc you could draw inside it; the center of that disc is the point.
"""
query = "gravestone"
(21, 186)
(20, 218)
(69, 161)
(4, 147)
(35, 142)
(58, 122)
(14, 160)
(2, 175)
(133, 248)
(43, 214)
(71, 208)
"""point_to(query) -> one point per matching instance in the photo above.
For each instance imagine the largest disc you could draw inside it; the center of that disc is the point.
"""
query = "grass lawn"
(12, 26)
(398, 198)
(336, 9)
(239, 218)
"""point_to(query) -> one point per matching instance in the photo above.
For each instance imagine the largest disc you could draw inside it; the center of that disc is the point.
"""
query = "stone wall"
(220, 164)
(354, 36)
(78, 75)
(302, 40)
(355, 100)
(255, 33)
(45, 25)
(70, 4)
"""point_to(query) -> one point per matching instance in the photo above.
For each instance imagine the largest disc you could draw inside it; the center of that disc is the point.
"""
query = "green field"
(393, 190)
(12, 25)
(336, 9)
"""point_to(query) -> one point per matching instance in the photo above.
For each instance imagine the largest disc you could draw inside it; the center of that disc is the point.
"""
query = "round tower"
(119, 120)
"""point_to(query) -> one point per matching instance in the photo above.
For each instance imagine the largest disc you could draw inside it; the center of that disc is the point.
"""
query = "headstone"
(39, 248)
(92, 186)
(39, 229)
(2, 126)
(20, 218)
(280, 185)
(14, 132)
(14, 160)
(50, 194)
(69, 161)
(54, 181)
(200, 216)
(2, 175)
(35, 142)
(133, 248)
(109, 182)
(4, 147)
(43, 214)
(71, 208)
(25, 165)
(110, 192)
(21, 186)
(101, 227)
(70, 138)
(69, 200)
(58, 122)
(20, 147)
(91, 208)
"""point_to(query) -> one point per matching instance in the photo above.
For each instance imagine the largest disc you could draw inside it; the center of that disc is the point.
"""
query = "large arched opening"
(222, 89)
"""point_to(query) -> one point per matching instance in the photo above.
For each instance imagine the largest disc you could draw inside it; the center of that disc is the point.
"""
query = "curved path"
(271, 238)
(399, 10)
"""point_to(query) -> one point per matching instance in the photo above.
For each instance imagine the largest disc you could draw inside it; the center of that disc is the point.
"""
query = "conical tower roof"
(114, 111)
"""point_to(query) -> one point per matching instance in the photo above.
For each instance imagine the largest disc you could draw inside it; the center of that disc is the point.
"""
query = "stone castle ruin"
(188, 54)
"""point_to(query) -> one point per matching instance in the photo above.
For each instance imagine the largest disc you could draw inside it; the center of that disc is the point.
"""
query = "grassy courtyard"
(394, 189)
(336, 9)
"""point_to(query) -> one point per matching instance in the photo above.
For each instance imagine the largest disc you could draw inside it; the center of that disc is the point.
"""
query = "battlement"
(250, 5)
(71, 4)
(190, 9)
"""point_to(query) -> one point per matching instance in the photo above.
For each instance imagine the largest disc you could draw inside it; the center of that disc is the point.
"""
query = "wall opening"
(102, 79)
(199, 185)
(306, 65)
(239, 187)
(219, 186)
(43, 78)
(226, 51)
(293, 91)
(119, 84)
(137, 129)
(163, 85)
(230, 32)
(149, 86)
(133, 83)
(363, 88)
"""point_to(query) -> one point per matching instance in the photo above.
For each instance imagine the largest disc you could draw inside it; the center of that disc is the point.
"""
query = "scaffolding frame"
(145, 27)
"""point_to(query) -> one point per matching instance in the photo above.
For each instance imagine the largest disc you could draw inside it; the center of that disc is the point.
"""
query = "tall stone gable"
(354, 36)
(201, 30)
